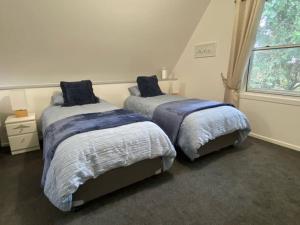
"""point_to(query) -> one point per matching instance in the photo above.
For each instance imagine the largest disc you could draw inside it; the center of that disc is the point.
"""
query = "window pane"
(280, 23)
(275, 70)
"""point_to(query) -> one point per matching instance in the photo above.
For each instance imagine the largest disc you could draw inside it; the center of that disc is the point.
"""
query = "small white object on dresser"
(22, 133)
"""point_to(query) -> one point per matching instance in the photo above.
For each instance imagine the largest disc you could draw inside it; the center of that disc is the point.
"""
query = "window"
(275, 62)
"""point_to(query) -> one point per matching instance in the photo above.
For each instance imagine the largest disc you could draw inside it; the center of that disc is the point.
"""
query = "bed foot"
(159, 171)
(76, 205)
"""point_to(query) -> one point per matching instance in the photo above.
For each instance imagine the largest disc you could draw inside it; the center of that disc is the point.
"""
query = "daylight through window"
(275, 63)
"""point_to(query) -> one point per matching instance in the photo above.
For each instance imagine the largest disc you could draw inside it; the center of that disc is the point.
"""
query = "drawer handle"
(21, 127)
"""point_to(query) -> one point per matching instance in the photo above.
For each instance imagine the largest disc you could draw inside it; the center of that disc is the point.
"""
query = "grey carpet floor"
(257, 183)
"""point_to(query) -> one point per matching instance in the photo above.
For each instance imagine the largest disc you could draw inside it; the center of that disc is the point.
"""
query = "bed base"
(218, 143)
(125, 176)
(116, 179)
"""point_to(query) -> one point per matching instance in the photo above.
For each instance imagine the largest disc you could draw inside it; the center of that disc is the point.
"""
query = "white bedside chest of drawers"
(22, 134)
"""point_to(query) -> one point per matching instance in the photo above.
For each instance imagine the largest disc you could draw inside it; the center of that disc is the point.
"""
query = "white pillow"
(134, 91)
(57, 98)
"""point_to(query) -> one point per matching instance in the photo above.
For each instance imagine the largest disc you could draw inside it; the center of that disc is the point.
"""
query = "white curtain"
(247, 17)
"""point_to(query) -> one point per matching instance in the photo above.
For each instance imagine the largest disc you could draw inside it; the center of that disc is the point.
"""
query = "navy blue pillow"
(78, 93)
(148, 86)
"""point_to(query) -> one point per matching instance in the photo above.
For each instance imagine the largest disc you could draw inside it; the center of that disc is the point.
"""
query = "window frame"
(268, 91)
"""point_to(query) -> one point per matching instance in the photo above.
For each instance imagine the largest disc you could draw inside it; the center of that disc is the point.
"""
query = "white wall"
(39, 98)
(102, 40)
(273, 118)
(201, 76)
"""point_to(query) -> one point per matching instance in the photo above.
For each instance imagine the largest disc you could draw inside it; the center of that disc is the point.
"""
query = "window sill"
(279, 99)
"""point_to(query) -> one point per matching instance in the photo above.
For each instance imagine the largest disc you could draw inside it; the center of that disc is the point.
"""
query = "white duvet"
(199, 127)
(88, 155)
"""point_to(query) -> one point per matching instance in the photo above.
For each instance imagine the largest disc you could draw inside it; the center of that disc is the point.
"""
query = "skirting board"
(5, 144)
(274, 141)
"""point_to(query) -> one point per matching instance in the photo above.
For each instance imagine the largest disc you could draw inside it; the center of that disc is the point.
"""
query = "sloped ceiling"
(53, 40)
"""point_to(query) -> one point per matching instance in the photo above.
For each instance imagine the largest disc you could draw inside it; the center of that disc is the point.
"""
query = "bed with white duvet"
(88, 155)
(199, 128)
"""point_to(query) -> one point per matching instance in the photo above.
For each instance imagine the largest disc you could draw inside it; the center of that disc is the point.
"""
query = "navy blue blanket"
(169, 116)
(70, 126)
